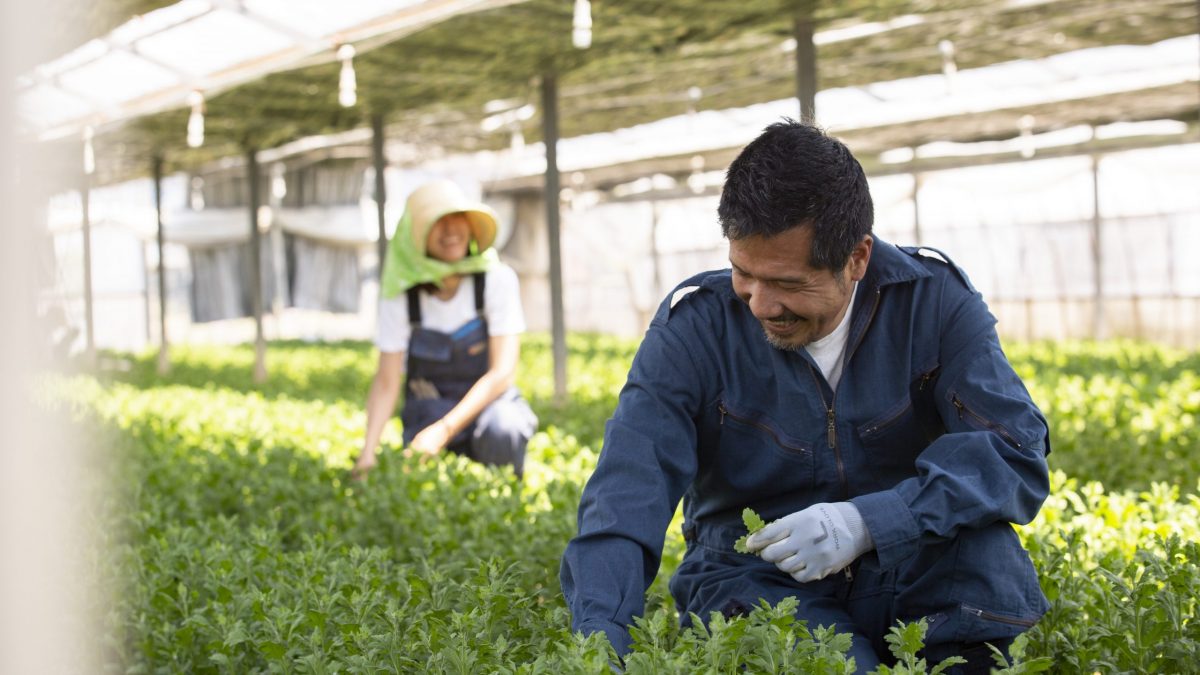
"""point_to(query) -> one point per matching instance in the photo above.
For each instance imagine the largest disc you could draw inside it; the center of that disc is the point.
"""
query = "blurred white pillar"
(44, 626)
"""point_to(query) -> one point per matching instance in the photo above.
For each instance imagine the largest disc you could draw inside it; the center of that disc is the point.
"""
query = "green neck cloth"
(406, 266)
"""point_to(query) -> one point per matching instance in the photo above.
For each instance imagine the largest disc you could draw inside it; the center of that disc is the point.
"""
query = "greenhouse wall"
(1022, 230)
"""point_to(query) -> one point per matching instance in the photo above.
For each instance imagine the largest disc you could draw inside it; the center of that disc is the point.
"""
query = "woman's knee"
(506, 419)
(502, 433)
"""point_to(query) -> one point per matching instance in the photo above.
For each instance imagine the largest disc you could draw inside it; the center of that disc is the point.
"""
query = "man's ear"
(859, 257)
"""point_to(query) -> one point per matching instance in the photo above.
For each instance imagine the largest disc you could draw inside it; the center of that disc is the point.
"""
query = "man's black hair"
(794, 174)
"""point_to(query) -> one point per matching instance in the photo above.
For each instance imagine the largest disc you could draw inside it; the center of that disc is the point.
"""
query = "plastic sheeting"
(323, 276)
(221, 277)
(319, 276)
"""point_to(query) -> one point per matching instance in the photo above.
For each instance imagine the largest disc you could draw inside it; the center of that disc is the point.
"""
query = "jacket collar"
(890, 265)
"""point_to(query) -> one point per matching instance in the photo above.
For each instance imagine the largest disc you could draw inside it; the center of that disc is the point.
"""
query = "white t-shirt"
(828, 351)
(501, 309)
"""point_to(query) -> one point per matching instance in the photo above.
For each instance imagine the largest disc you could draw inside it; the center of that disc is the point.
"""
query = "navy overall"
(442, 368)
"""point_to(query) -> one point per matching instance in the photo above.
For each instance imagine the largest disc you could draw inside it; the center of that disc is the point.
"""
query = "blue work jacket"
(930, 434)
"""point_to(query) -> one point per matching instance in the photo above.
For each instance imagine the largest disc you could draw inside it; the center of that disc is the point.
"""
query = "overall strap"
(480, 283)
(414, 298)
(414, 306)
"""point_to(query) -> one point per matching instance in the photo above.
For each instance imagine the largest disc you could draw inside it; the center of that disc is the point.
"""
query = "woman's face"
(449, 238)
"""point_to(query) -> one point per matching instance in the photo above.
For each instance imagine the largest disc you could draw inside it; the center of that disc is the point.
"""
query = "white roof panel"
(116, 77)
(1028, 73)
(212, 43)
(51, 105)
(87, 52)
(153, 62)
(144, 25)
(1101, 59)
(320, 17)
(847, 108)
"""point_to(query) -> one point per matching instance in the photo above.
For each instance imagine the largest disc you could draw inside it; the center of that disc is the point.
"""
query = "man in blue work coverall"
(854, 393)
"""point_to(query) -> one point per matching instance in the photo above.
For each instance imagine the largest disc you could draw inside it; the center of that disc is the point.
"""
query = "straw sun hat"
(435, 199)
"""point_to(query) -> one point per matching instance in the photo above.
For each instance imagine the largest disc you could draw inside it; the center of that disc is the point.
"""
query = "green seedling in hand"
(754, 523)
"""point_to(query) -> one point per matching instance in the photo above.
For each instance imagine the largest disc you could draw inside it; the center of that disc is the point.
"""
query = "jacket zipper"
(893, 418)
(831, 433)
(925, 379)
(984, 614)
(983, 422)
(759, 425)
(920, 387)
(837, 453)
(830, 415)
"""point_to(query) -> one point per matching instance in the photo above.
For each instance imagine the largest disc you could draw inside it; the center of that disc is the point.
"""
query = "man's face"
(795, 303)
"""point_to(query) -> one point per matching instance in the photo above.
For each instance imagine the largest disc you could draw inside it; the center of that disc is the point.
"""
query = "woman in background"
(450, 322)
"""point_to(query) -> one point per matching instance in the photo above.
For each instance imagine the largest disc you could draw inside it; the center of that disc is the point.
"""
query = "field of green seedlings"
(235, 544)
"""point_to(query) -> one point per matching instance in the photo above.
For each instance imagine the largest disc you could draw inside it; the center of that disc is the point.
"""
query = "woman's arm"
(503, 353)
(381, 403)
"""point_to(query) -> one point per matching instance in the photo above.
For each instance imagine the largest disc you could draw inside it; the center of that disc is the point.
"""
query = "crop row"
(237, 545)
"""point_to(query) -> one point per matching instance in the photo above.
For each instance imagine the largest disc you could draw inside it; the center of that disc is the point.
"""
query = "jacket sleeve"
(989, 466)
(647, 462)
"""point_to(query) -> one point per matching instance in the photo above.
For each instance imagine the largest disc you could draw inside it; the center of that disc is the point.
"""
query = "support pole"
(806, 61)
(148, 318)
(1173, 300)
(655, 261)
(256, 300)
(89, 316)
(164, 359)
(916, 202)
(279, 297)
(1098, 327)
(557, 324)
(1029, 332)
(645, 310)
(380, 187)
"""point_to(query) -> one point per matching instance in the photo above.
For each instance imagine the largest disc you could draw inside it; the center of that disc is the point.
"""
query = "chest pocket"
(893, 439)
(755, 451)
(446, 365)
(429, 345)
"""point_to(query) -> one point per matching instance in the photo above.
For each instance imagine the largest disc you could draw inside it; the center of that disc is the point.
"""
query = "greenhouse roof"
(913, 113)
(154, 62)
(453, 76)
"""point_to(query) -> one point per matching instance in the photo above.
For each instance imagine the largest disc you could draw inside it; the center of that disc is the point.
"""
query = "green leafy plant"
(233, 543)
(753, 523)
(904, 641)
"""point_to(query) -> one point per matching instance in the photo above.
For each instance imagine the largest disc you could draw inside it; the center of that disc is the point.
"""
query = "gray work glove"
(813, 543)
